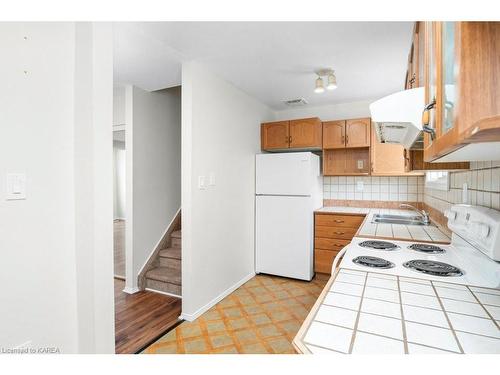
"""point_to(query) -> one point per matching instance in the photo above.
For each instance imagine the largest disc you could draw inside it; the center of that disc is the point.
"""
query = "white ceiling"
(272, 61)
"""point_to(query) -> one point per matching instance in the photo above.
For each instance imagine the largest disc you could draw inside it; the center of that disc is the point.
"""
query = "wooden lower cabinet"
(323, 260)
(331, 233)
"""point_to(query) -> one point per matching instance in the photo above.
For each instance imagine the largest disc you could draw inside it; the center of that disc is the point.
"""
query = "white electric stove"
(472, 258)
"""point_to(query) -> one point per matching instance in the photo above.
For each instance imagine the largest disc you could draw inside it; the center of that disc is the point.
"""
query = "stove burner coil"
(426, 248)
(373, 262)
(378, 245)
(433, 268)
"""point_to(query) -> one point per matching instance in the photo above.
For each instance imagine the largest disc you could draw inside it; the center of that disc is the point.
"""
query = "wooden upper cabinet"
(357, 132)
(274, 135)
(293, 134)
(334, 134)
(305, 133)
(461, 62)
(415, 71)
(386, 159)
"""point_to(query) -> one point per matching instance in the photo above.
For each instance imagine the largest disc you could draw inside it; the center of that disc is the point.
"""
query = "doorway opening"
(147, 235)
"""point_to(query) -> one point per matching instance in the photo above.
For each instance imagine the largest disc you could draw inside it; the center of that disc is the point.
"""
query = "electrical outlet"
(16, 186)
(360, 164)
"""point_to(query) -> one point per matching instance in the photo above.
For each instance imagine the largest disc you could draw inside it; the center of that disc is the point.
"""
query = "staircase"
(164, 275)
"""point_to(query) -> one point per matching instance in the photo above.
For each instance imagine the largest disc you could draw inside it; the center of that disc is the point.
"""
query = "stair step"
(175, 242)
(164, 287)
(171, 252)
(176, 234)
(165, 274)
(170, 263)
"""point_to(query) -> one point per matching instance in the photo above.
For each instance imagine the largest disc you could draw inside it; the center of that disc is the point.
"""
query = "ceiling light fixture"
(331, 80)
(319, 86)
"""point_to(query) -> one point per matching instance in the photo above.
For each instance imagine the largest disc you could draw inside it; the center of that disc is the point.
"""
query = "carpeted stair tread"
(165, 274)
(171, 252)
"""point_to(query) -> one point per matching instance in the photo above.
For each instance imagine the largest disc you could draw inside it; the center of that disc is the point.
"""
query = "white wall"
(56, 267)
(153, 140)
(328, 112)
(118, 105)
(119, 181)
(220, 135)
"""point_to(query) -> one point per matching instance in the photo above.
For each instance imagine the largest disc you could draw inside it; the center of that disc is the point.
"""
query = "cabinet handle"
(338, 232)
(338, 245)
(338, 221)
(290, 139)
(426, 119)
(346, 139)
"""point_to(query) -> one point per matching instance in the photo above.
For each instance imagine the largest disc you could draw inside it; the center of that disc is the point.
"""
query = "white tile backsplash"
(403, 189)
(483, 183)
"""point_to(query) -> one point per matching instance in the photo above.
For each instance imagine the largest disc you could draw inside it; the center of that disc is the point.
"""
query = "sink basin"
(398, 219)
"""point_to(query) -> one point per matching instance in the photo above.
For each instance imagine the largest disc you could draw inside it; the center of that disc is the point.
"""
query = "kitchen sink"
(398, 219)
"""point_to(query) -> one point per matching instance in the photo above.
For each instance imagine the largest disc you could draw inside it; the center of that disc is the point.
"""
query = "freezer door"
(283, 174)
(284, 236)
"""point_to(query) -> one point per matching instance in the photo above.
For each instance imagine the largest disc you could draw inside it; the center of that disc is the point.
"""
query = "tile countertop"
(430, 233)
(371, 313)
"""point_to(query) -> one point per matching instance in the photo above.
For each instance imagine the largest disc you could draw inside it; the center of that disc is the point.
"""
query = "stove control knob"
(451, 215)
(480, 230)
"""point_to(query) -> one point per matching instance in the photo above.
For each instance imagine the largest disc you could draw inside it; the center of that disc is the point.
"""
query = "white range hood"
(398, 117)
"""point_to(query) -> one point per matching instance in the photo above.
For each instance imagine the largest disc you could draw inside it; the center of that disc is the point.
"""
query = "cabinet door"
(274, 135)
(334, 134)
(446, 95)
(305, 133)
(334, 162)
(357, 133)
(430, 76)
(386, 159)
(420, 54)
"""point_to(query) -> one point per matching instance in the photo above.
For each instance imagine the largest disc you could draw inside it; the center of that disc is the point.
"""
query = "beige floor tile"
(262, 316)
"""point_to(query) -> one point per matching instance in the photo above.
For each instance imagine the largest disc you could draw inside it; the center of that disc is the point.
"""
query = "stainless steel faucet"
(423, 213)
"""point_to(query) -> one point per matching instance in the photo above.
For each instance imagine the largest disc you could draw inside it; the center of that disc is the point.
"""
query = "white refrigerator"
(289, 188)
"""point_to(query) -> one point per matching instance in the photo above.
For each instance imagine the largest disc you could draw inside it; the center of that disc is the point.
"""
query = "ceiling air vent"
(295, 102)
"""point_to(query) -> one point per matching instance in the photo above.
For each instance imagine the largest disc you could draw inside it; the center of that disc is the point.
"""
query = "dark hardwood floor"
(142, 317)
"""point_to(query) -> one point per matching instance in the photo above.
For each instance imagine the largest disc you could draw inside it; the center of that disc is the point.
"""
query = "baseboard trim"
(162, 292)
(220, 297)
(132, 290)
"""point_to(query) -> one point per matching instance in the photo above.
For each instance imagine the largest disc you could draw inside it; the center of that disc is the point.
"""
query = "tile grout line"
(313, 319)
(484, 308)
(322, 347)
(353, 338)
(448, 319)
(403, 323)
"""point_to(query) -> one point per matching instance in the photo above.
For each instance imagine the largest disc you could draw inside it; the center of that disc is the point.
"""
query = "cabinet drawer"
(347, 221)
(335, 232)
(323, 260)
(330, 244)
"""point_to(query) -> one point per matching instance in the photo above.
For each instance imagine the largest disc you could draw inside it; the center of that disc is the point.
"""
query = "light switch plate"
(16, 186)
(465, 194)
(211, 179)
(202, 185)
